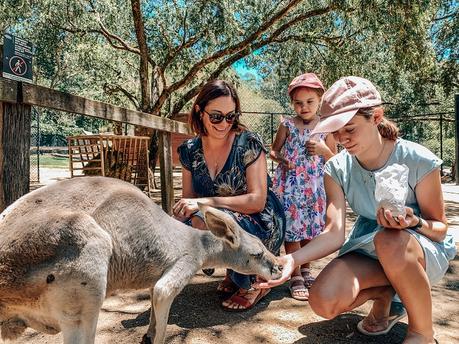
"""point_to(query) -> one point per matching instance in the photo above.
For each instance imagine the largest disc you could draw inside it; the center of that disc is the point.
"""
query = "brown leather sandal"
(240, 298)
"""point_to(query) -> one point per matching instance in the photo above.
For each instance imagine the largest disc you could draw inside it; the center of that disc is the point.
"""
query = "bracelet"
(418, 226)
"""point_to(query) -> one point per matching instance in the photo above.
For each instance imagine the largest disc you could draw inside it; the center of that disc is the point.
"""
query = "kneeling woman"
(225, 166)
(382, 255)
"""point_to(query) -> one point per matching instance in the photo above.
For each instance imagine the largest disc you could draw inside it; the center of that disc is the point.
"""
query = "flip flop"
(397, 313)
(296, 289)
(239, 299)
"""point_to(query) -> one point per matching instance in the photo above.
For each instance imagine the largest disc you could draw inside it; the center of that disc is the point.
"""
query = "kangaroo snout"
(276, 270)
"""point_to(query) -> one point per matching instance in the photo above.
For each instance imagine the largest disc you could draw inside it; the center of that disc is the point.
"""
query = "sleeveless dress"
(359, 185)
(269, 224)
(301, 190)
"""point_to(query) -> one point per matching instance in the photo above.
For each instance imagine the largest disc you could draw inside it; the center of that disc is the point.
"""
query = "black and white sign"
(17, 58)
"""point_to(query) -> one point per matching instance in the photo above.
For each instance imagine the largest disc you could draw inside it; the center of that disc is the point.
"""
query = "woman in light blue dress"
(384, 254)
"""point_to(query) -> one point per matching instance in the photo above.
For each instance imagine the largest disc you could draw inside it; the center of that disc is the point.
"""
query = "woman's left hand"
(184, 208)
(387, 220)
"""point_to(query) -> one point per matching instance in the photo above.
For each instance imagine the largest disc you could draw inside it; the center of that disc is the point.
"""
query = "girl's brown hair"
(386, 128)
(320, 92)
(210, 91)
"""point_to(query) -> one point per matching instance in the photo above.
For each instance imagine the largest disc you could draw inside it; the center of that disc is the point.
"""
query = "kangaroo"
(64, 247)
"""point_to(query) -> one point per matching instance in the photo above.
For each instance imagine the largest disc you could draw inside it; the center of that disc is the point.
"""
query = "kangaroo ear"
(221, 225)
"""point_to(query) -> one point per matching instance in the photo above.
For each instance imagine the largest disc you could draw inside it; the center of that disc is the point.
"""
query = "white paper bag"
(392, 188)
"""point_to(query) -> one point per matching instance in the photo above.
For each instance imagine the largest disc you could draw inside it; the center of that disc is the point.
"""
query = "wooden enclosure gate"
(16, 100)
(116, 156)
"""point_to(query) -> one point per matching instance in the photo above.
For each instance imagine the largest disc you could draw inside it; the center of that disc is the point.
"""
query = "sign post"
(17, 58)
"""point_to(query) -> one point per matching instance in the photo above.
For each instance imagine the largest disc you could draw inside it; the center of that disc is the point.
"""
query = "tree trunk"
(15, 121)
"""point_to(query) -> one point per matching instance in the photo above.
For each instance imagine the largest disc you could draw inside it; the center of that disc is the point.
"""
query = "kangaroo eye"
(257, 255)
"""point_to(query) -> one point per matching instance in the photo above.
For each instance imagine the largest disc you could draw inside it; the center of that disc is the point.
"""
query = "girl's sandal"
(308, 278)
(297, 289)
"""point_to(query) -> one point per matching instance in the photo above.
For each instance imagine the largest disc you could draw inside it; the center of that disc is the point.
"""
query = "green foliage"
(94, 48)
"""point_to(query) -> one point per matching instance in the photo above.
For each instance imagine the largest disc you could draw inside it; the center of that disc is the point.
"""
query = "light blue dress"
(359, 184)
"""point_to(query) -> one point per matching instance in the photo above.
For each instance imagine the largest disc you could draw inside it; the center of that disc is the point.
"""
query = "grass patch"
(49, 161)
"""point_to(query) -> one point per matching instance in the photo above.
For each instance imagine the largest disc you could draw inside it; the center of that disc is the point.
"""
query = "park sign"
(17, 58)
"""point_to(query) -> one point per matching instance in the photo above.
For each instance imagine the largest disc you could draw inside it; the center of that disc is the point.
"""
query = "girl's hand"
(288, 165)
(288, 266)
(184, 208)
(387, 220)
(316, 147)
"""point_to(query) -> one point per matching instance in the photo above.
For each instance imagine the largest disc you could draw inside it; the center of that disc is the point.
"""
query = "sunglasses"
(216, 118)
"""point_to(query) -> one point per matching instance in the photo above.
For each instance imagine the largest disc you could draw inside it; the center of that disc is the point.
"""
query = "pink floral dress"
(301, 190)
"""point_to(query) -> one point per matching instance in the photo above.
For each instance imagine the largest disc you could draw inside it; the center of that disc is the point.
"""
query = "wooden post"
(167, 181)
(14, 152)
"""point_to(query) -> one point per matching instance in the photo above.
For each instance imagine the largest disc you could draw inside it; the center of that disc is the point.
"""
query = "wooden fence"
(16, 100)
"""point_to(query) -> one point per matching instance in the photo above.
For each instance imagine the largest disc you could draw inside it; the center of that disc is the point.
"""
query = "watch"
(418, 226)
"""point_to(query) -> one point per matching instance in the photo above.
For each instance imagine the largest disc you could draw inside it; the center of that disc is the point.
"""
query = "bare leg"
(296, 284)
(291, 247)
(402, 259)
(348, 282)
(302, 244)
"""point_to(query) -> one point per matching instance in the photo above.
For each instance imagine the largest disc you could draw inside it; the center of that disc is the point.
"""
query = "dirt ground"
(197, 318)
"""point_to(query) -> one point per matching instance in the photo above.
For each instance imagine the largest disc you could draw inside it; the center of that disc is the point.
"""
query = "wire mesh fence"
(35, 147)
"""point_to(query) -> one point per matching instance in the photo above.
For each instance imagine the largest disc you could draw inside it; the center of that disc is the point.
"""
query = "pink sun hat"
(305, 80)
(343, 100)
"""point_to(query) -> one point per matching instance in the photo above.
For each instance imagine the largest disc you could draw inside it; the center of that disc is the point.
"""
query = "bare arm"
(277, 145)
(252, 202)
(327, 242)
(332, 237)
(187, 184)
(326, 148)
(430, 200)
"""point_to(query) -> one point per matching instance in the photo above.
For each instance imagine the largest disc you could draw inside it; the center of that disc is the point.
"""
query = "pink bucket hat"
(305, 80)
(342, 101)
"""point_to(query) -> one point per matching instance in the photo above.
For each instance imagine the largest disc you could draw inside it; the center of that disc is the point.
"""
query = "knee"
(394, 248)
(324, 301)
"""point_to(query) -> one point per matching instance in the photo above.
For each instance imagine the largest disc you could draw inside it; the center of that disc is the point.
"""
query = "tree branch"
(144, 56)
(111, 89)
(229, 50)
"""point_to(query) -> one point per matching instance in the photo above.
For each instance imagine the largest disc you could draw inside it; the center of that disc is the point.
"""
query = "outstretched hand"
(288, 266)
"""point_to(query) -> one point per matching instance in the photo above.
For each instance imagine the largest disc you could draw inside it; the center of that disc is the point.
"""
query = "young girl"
(298, 180)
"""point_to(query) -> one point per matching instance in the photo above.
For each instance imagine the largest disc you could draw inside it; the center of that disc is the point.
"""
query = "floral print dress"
(269, 224)
(301, 190)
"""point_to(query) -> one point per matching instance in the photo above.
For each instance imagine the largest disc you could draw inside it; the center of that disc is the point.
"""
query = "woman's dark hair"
(386, 128)
(210, 91)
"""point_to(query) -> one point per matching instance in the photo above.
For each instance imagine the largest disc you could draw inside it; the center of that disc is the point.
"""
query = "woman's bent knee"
(396, 248)
(324, 303)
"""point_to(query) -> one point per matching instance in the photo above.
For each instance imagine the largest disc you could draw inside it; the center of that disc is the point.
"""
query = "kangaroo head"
(248, 254)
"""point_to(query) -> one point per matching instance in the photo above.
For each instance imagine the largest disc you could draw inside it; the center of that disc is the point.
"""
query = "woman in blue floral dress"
(225, 166)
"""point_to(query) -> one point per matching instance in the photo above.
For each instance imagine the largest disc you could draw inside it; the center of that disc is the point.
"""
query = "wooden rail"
(16, 98)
